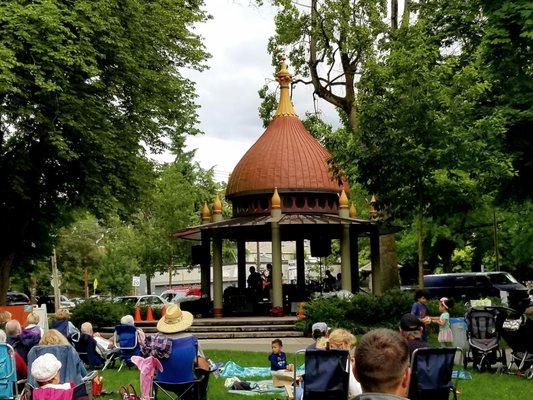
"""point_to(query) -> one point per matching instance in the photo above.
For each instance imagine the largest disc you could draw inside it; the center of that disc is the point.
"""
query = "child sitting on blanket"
(278, 359)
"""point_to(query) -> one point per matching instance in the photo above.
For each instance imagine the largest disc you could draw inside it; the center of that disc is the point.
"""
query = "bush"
(360, 313)
(99, 313)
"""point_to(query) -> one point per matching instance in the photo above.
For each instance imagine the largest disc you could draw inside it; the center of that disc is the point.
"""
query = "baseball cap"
(409, 322)
(319, 326)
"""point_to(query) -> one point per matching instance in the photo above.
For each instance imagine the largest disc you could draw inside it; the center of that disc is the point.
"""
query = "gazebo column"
(354, 252)
(217, 277)
(300, 265)
(205, 265)
(241, 264)
(375, 263)
(277, 275)
(345, 244)
(217, 263)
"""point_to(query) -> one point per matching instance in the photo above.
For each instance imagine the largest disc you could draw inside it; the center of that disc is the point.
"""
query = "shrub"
(360, 313)
(99, 313)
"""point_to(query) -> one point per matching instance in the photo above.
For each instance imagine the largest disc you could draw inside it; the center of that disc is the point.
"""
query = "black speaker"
(320, 247)
(199, 254)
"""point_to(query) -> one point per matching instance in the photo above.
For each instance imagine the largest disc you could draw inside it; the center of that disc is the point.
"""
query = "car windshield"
(502, 279)
(167, 296)
(126, 300)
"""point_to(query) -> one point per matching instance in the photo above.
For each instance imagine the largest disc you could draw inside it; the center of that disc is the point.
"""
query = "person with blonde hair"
(342, 339)
(63, 325)
(32, 327)
(52, 337)
(4, 317)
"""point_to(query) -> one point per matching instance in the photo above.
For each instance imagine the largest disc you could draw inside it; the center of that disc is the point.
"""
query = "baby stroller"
(484, 337)
(517, 330)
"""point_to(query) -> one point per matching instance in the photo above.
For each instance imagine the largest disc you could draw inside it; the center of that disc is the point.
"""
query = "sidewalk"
(290, 345)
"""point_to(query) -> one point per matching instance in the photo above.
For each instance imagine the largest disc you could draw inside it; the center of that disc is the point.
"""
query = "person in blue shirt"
(278, 359)
(420, 310)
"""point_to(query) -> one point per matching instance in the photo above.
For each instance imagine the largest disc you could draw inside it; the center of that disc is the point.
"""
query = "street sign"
(136, 281)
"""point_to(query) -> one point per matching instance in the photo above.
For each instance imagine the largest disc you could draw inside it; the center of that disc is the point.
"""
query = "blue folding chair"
(86, 347)
(327, 374)
(127, 344)
(431, 373)
(72, 369)
(8, 372)
(178, 379)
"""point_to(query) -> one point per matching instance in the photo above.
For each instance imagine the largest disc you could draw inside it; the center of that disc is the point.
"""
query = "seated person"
(412, 329)
(21, 343)
(4, 317)
(20, 364)
(103, 346)
(129, 320)
(319, 330)
(63, 325)
(278, 359)
(53, 337)
(343, 340)
(174, 326)
(32, 324)
(382, 365)
(46, 372)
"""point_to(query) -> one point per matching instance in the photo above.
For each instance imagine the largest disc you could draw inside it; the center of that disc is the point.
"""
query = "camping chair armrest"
(90, 376)
(296, 367)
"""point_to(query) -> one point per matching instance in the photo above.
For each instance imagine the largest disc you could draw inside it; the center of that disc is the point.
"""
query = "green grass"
(482, 387)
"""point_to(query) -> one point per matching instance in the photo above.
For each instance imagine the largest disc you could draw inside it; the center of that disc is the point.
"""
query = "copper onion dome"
(288, 157)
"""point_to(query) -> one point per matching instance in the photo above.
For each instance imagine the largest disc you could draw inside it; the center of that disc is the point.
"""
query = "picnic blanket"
(233, 369)
(464, 375)
(259, 387)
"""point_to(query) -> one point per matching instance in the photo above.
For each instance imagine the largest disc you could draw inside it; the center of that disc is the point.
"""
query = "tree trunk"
(394, 14)
(6, 261)
(420, 235)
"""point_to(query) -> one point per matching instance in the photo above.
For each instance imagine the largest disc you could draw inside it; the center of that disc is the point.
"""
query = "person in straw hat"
(174, 325)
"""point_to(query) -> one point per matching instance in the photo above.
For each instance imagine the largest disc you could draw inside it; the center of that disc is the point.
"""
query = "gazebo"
(283, 189)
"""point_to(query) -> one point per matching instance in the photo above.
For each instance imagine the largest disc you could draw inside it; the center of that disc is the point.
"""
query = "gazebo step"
(245, 335)
(244, 328)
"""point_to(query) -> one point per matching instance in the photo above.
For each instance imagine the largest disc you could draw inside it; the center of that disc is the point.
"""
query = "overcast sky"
(227, 92)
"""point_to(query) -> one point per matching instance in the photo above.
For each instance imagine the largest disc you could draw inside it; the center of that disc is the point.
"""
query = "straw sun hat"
(175, 320)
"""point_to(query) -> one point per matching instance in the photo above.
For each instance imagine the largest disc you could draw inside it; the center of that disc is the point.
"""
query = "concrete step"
(245, 328)
(246, 335)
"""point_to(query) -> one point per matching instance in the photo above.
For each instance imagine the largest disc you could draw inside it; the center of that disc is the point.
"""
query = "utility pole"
(55, 281)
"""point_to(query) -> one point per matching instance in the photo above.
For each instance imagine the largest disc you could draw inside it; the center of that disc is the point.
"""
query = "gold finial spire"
(353, 211)
(284, 78)
(217, 205)
(343, 200)
(276, 200)
(206, 214)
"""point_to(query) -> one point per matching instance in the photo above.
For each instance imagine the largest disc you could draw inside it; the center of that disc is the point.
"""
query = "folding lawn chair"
(72, 368)
(126, 344)
(8, 372)
(86, 347)
(178, 379)
(327, 374)
(431, 373)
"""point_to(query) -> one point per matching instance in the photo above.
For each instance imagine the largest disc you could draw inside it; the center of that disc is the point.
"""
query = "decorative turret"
(353, 211)
(217, 209)
(373, 211)
(206, 214)
(285, 107)
(343, 205)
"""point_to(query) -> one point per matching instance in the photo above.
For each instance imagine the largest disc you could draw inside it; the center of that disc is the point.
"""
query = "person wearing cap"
(412, 329)
(318, 330)
(45, 370)
(174, 325)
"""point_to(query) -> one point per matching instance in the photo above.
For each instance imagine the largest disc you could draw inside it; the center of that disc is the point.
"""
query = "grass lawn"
(482, 386)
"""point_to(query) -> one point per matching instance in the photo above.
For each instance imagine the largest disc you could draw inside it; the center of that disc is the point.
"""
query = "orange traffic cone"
(149, 314)
(137, 317)
(301, 313)
(163, 311)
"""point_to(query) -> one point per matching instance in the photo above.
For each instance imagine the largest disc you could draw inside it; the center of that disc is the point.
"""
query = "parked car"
(17, 299)
(182, 294)
(474, 285)
(150, 300)
(49, 301)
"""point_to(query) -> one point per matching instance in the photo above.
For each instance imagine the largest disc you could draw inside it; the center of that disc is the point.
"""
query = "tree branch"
(406, 13)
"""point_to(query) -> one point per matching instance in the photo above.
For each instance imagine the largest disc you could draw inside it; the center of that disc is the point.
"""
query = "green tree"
(85, 89)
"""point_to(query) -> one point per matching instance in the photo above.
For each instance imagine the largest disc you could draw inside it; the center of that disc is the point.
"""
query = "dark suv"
(17, 299)
(474, 285)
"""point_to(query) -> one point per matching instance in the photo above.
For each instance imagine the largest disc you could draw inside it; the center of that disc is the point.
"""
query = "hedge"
(100, 313)
(364, 312)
